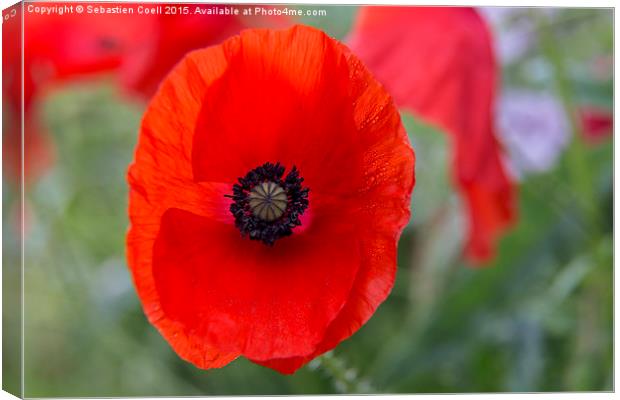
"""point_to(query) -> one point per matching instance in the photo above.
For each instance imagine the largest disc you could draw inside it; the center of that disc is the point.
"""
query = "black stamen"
(267, 207)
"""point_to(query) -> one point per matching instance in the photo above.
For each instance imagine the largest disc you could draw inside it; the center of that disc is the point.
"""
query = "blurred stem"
(345, 379)
(591, 345)
(432, 261)
(577, 160)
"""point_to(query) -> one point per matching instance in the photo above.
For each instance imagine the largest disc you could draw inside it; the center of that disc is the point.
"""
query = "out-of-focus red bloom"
(270, 184)
(11, 91)
(596, 123)
(56, 48)
(439, 64)
(169, 37)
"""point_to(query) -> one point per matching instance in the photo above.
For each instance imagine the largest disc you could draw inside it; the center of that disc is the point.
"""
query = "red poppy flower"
(596, 123)
(169, 37)
(438, 63)
(56, 48)
(270, 184)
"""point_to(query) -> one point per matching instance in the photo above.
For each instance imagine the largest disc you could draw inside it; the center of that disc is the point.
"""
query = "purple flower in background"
(514, 33)
(534, 129)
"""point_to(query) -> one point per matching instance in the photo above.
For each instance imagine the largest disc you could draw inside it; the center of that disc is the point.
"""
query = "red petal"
(439, 64)
(146, 209)
(245, 297)
(140, 242)
(371, 287)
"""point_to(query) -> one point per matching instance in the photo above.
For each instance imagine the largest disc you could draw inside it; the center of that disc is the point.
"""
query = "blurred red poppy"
(438, 63)
(38, 151)
(596, 123)
(56, 48)
(270, 184)
(169, 37)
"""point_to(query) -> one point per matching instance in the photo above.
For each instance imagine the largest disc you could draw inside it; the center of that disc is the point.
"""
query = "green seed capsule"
(268, 201)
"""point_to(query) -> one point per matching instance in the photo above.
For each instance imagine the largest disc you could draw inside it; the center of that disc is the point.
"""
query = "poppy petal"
(372, 285)
(257, 302)
(140, 242)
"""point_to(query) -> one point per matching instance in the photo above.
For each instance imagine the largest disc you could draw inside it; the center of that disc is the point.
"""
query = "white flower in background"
(533, 128)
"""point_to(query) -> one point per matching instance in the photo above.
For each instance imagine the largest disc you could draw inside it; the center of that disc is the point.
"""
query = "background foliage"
(538, 318)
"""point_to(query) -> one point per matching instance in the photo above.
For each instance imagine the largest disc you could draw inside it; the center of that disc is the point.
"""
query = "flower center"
(266, 205)
(268, 201)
